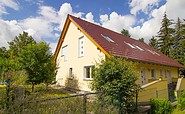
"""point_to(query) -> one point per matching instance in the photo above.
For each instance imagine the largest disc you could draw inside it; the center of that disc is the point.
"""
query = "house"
(82, 44)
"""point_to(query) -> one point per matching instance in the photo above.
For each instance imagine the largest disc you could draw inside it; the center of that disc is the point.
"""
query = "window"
(165, 73)
(64, 52)
(89, 72)
(81, 47)
(161, 72)
(70, 72)
(107, 38)
(153, 74)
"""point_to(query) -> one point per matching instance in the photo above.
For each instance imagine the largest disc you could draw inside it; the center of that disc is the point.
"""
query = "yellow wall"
(182, 86)
(91, 56)
(148, 67)
(155, 90)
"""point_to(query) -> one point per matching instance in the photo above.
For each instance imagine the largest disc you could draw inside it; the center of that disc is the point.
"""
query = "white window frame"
(81, 46)
(64, 52)
(85, 72)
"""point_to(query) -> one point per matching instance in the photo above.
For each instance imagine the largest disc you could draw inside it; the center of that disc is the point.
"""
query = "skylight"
(107, 38)
(130, 45)
(153, 52)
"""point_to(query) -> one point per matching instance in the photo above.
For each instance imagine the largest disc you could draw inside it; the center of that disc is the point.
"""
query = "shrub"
(181, 101)
(160, 106)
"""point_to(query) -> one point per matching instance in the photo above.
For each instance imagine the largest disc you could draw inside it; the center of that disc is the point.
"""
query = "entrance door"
(143, 76)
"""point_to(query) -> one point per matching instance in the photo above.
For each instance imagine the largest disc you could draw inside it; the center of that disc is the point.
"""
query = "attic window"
(153, 52)
(139, 48)
(130, 45)
(107, 38)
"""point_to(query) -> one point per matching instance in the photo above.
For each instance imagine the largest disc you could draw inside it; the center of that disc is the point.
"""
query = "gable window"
(70, 72)
(153, 74)
(81, 47)
(88, 72)
(64, 52)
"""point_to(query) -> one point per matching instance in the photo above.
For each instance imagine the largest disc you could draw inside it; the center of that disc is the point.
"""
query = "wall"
(157, 89)
(148, 67)
(91, 56)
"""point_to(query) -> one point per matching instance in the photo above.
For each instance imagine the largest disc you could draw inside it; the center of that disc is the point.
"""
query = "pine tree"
(165, 36)
(153, 42)
(141, 40)
(125, 32)
(178, 52)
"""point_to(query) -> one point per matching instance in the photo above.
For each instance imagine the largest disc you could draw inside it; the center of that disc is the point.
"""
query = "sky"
(44, 19)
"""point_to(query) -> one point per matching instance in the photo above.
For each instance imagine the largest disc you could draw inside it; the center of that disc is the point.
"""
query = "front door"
(143, 76)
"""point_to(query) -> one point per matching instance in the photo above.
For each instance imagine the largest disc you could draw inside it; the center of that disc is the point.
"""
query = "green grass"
(176, 111)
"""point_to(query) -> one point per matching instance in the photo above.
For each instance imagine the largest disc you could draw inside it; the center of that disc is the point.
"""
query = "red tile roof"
(123, 46)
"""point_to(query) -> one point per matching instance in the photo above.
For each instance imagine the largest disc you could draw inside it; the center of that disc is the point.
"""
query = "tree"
(116, 74)
(165, 36)
(36, 60)
(19, 43)
(153, 42)
(141, 40)
(178, 52)
(125, 32)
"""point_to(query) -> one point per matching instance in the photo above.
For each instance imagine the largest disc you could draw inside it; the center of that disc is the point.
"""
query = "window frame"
(64, 52)
(85, 72)
(81, 46)
(153, 73)
(70, 73)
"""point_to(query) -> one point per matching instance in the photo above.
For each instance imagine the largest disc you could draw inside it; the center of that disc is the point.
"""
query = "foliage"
(72, 82)
(181, 102)
(153, 42)
(36, 59)
(160, 106)
(125, 32)
(141, 40)
(116, 74)
(19, 43)
(165, 36)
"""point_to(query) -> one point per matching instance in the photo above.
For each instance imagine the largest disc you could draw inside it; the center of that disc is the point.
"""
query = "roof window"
(107, 38)
(130, 45)
(153, 52)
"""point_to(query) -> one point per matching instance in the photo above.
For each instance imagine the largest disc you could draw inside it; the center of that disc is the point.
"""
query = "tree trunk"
(47, 86)
(32, 87)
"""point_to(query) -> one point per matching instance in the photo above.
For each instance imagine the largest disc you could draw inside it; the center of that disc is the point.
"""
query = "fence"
(75, 104)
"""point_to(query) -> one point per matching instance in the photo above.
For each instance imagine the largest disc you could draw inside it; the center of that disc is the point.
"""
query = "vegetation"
(125, 32)
(25, 54)
(160, 106)
(153, 42)
(165, 36)
(141, 40)
(118, 75)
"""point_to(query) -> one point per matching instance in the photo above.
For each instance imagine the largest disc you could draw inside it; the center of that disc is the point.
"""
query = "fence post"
(84, 103)
(8, 94)
(137, 92)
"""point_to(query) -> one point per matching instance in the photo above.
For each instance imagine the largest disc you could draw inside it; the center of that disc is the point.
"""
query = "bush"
(160, 106)
(181, 101)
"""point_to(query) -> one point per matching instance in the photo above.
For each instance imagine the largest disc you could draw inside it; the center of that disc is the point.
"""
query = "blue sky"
(44, 19)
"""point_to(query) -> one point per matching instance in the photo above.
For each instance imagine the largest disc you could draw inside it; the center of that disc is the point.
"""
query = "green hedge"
(160, 106)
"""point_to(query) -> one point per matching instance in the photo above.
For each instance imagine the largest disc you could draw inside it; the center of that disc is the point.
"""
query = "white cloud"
(89, 16)
(117, 22)
(142, 6)
(7, 3)
(8, 32)
(152, 26)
